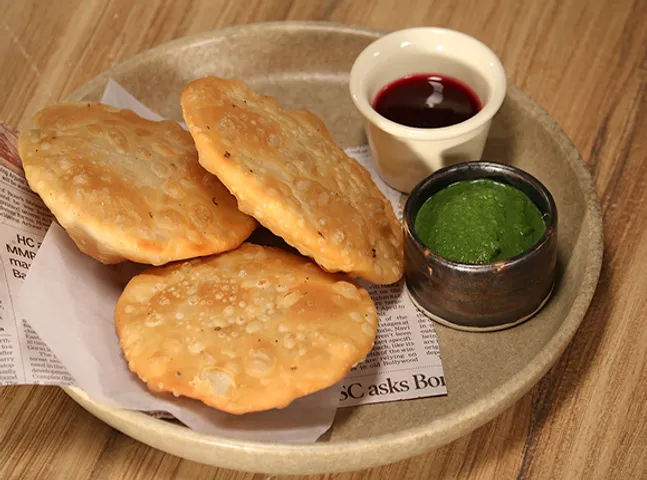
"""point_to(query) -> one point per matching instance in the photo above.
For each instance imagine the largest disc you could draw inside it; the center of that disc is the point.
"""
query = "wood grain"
(584, 61)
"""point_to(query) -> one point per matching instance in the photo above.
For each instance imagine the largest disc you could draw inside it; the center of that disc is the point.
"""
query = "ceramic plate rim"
(419, 438)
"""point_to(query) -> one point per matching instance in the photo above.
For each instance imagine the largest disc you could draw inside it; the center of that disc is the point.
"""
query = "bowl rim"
(485, 167)
(483, 116)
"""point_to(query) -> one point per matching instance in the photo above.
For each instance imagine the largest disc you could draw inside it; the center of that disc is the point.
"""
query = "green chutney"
(479, 221)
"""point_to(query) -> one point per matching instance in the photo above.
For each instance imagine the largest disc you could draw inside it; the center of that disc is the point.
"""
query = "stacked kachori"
(286, 171)
(127, 188)
(248, 330)
(241, 327)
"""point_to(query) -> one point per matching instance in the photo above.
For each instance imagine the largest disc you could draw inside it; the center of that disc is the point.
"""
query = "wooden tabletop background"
(584, 61)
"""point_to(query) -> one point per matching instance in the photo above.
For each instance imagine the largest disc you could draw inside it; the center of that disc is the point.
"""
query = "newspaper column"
(24, 220)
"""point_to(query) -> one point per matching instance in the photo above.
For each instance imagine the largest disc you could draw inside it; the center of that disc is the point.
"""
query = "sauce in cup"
(427, 101)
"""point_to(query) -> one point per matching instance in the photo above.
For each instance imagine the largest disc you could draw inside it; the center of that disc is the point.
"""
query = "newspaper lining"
(405, 362)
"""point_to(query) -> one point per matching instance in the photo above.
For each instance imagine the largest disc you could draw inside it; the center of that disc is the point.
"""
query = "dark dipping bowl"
(483, 297)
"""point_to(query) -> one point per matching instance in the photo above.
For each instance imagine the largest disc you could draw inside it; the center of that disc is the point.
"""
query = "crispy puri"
(126, 188)
(247, 330)
(285, 170)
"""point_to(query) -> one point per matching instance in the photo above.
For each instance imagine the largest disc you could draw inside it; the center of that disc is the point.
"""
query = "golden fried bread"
(127, 188)
(247, 330)
(286, 171)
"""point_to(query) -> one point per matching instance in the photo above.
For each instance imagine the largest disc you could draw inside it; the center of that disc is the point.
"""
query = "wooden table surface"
(584, 61)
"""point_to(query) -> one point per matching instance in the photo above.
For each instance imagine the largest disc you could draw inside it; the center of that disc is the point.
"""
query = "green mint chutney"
(479, 221)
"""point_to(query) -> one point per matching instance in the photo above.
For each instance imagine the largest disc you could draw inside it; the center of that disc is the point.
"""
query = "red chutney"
(427, 101)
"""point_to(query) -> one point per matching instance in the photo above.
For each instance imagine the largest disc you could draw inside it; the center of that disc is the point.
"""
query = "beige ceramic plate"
(307, 65)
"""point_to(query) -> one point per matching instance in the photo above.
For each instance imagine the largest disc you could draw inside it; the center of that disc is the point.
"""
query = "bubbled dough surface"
(286, 171)
(126, 188)
(248, 330)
